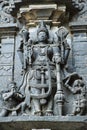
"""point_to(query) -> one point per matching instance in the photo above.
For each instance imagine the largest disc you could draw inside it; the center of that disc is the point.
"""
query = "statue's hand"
(6, 96)
(56, 59)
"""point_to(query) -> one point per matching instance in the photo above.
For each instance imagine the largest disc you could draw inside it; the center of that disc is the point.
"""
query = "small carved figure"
(5, 13)
(81, 7)
(78, 89)
(11, 99)
(40, 60)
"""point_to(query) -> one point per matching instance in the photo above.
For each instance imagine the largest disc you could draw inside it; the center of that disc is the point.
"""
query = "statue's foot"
(14, 113)
(70, 115)
(49, 113)
(38, 113)
(24, 114)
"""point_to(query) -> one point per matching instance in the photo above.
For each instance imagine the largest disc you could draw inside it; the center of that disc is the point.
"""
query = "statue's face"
(42, 36)
(78, 4)
(78, 83)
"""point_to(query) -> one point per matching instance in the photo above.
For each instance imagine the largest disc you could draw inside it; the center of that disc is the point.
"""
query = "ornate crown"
(42, 28)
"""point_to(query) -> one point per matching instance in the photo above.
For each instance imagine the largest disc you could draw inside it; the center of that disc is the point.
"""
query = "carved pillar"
(79, 47)
(78, 28)
(8, 29)
(7, 56)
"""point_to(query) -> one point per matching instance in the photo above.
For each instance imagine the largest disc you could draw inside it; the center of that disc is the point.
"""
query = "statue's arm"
(21, 52)
(56, 55)
(66, 51)
(69, 87)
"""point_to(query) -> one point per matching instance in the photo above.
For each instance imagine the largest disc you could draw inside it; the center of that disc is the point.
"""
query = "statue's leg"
(83, 106)
(81, 111)
(3, 113)
(23, 106)
(37, 108)
(74, 111)
(36, 102)
(49, 110)
(14, 113)
(50, 99)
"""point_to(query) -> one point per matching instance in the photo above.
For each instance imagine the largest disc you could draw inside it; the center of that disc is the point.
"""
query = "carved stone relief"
(81, 7)
(45, 79)
(5, 16)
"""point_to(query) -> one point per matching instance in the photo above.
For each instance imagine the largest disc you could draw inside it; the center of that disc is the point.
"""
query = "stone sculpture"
(44, 76)
(41, 59)
(78, 90)
(81, 7)
(11, 99)
(5, 13)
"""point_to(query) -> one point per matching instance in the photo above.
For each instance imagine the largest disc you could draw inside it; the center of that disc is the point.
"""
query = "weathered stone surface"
(53, 123)
(54, 13)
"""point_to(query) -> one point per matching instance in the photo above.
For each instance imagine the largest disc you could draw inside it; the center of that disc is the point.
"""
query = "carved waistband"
(38, 66)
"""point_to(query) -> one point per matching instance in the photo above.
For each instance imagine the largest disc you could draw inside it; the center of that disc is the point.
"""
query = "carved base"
(36, 122)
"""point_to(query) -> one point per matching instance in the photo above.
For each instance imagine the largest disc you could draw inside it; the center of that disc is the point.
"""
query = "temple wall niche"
(43, 62)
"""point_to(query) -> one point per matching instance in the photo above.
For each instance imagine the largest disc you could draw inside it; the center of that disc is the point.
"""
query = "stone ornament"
(5, 13)
(81, 7)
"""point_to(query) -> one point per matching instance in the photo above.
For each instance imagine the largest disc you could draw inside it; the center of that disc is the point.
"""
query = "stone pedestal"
(52, 123)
